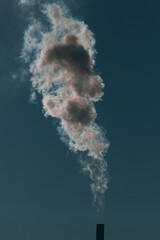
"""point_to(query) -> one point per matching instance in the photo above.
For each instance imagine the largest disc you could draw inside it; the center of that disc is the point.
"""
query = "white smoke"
(61, 63)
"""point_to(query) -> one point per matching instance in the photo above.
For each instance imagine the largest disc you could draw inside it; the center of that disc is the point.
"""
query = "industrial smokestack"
(100, 232)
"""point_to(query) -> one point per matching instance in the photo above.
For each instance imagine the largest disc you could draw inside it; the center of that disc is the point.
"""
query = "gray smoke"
(61, 63)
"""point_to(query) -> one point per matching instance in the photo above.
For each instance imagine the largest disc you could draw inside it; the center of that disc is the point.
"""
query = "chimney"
(100, 232)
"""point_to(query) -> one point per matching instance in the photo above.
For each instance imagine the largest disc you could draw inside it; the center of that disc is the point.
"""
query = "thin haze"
(61, 63)
(27, 2)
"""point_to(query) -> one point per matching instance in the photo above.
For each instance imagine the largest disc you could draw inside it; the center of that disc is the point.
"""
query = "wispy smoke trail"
(27, 2)
(62, 61)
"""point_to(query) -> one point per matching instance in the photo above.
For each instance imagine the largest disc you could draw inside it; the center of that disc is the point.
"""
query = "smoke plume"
(61, 63)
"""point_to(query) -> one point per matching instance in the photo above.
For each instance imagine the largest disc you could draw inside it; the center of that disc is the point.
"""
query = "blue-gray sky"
(43, 195)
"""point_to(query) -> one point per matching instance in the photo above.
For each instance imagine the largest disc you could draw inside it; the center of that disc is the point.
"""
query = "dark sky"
(43, 195)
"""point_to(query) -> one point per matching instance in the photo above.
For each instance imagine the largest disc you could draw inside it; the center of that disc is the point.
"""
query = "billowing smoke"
(61, 63)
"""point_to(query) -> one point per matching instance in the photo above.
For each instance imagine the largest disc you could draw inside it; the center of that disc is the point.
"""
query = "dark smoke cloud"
(75, 59)
(79, 112)
(70, 55)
